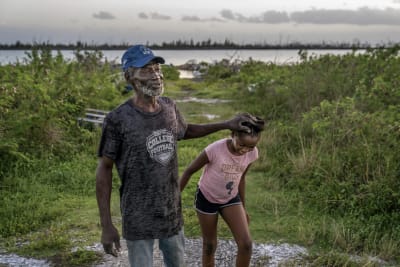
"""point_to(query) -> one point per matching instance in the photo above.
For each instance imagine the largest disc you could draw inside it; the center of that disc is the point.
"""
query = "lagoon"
(179, 57)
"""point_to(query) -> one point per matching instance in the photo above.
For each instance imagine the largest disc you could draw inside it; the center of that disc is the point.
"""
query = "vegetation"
(191, 44)
(327, 177)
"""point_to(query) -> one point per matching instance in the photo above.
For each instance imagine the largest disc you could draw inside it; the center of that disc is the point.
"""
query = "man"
(140, 137)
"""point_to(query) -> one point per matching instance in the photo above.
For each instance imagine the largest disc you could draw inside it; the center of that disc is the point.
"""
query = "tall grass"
(335, 135)
(327, 177)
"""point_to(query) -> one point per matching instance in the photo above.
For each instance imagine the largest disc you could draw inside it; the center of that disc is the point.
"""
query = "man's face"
(149, 79)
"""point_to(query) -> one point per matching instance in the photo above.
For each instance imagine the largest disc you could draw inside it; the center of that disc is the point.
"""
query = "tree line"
(191, 44)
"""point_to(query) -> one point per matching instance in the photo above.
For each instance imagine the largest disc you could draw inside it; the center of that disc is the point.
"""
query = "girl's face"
(243, 143)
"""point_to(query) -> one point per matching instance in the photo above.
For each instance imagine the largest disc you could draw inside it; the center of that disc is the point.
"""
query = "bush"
(42, 100)
(170, 72)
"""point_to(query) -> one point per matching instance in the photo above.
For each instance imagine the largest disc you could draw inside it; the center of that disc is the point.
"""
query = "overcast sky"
(155, 21)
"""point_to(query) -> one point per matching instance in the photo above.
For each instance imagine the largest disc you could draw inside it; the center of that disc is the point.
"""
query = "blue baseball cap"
(138, 56)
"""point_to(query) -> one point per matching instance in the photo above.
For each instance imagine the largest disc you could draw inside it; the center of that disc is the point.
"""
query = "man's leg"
(173, 249)
(140, 252)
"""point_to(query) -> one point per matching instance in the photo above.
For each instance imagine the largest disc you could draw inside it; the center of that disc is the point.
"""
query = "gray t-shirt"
(144, 148)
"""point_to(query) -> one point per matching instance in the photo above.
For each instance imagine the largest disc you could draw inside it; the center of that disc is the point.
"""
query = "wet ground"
(263, 255)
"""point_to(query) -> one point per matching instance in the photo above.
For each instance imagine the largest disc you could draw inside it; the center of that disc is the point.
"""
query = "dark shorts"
(204, 206)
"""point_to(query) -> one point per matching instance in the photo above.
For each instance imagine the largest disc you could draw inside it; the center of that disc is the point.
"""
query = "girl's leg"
(235, 217)
(208, 225)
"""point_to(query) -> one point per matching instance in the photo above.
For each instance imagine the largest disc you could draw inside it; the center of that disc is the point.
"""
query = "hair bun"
(254, 122)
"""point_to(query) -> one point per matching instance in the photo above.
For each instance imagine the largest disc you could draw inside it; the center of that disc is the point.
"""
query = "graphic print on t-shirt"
(160, 145)
(229, 186)
(232, 174)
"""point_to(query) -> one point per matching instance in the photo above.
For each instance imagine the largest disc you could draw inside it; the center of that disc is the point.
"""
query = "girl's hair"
(255, 124)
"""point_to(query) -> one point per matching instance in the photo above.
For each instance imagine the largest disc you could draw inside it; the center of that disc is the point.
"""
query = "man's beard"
(147, 89)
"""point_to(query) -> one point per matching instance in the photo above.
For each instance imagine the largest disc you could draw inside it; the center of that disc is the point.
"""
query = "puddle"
(186, 74)
(208, 116)
(203, 100)
(13, 260)
(277, 254)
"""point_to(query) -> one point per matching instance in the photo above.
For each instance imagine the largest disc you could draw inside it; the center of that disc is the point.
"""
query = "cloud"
(271, 17)
(159, 16)
(266, 17)
(191, 18)
(104, 15)
(362, 16)
(153, 15)
(198, 19)
(143, 15)
(228, 14)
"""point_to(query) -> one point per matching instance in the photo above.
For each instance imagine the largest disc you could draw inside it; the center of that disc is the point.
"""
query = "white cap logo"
(145, 50)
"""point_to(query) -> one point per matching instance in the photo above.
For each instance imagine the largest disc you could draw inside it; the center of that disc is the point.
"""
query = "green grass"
(50, 209)
(56, 212)
(325, 178)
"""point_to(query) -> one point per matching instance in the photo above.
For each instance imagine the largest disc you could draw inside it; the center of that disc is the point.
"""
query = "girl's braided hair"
(254, 123)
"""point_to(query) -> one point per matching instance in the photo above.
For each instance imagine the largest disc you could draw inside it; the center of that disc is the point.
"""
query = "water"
(13, 260)
(179, 57)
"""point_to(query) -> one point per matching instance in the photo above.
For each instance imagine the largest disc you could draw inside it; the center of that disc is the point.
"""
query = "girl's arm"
(242, 187)
(242, 192)
(196, 165)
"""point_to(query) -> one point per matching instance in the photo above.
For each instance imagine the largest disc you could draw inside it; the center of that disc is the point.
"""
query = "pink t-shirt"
(220, 179)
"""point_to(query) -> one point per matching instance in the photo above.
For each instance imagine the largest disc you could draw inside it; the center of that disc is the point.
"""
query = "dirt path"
(263, 254)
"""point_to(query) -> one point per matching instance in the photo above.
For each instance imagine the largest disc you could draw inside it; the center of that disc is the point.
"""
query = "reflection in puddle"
(12, 260)
(208, 116)
(186, 74)
(203, 100)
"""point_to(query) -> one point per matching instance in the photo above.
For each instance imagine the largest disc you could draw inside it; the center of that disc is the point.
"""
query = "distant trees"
(191, 44)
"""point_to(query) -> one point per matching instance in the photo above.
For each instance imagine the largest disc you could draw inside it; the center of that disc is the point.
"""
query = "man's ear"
(127, 75)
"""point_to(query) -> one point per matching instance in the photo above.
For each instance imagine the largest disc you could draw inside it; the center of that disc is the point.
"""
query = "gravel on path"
(268, 255)
(263, 255)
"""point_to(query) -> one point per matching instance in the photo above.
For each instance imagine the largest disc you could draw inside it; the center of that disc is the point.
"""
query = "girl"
(221, 189)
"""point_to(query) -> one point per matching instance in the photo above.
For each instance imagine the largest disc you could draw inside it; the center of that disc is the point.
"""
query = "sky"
(241, 21)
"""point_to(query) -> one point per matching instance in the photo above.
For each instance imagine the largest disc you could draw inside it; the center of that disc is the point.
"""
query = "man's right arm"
(110, 236)
(237, 123)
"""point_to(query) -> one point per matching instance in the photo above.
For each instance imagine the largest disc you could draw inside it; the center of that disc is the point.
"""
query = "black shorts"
(204, 206)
